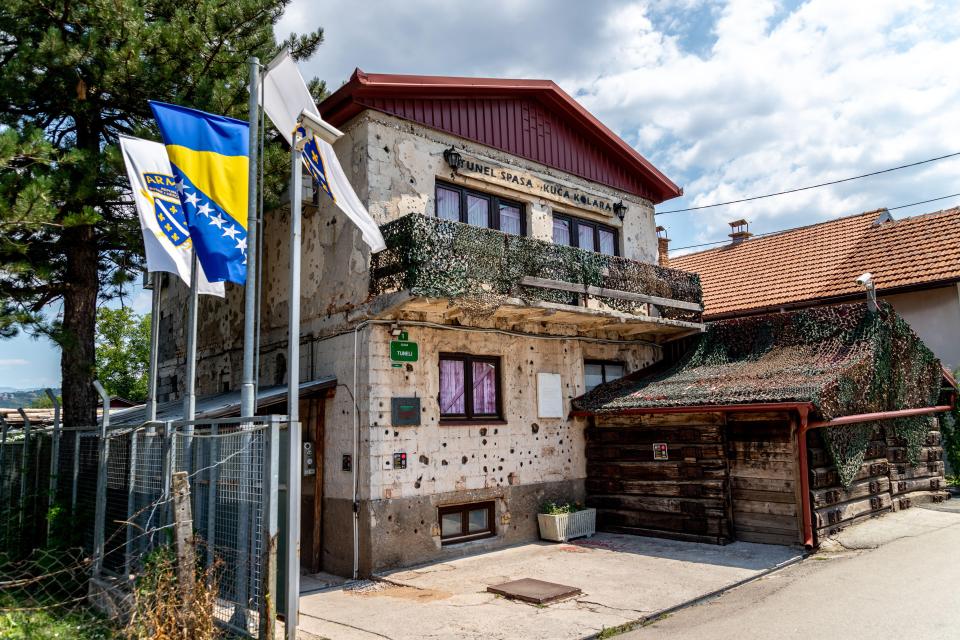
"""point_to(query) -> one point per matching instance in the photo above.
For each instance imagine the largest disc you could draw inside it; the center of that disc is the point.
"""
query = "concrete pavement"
(623, 579)
(893, 577)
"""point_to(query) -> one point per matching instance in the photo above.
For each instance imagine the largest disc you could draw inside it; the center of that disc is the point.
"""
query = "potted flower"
(562, 521)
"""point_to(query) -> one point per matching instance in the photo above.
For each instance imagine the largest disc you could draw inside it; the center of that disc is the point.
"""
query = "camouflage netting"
(437, 258)
(842, 359)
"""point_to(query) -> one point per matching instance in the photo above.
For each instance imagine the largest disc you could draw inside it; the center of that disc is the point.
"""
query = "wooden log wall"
(685, 497)
(762, 454)
(886, 480)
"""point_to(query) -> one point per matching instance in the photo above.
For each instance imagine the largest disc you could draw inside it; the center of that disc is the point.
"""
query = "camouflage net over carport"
(842, 359)
(437, 258)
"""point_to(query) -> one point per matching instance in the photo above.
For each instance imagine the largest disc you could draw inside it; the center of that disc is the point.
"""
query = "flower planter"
(566, 526)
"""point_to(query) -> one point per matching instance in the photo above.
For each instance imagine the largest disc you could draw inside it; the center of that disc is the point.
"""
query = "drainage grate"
(535, 591)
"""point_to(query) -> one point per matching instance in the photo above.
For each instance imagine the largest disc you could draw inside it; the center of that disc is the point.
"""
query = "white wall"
(934, 315)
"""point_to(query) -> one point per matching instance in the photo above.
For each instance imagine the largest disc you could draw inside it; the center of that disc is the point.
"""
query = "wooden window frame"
(603, 371)
(464, 511)
(468, 417)
(493, 206)
(576, 222)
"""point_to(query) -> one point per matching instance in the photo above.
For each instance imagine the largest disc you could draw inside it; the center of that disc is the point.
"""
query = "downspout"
(806, 426)
(805, 506)
(356, 452)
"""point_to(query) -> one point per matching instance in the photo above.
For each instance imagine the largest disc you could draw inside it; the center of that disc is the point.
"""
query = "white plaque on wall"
(549, 395)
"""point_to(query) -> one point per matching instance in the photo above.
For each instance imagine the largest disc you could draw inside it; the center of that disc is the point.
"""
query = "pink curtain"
(484, 389)
(452, 387)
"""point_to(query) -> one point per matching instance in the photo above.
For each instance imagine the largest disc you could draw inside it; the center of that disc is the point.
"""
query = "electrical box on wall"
(405, 412)
(400, 460)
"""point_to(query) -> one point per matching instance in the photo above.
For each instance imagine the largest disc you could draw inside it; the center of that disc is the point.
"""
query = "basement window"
(480, 209)
(597, 372)
(469, 388)
(465, 522)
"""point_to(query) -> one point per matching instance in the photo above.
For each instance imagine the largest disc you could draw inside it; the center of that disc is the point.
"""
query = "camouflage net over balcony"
(842, 359)
(482, 268)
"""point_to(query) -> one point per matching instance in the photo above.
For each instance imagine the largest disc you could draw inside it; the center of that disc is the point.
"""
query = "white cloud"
(729, 99)
(13, 362)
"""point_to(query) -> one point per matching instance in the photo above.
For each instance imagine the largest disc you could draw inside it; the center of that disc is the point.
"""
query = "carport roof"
(842, 359)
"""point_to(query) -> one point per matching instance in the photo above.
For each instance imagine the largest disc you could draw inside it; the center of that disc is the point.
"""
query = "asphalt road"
(907, 587)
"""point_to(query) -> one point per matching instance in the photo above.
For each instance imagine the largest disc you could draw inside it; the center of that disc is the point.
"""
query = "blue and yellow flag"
(210, 161)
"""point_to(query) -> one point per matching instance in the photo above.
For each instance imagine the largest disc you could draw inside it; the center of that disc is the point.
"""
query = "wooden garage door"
(761, 450)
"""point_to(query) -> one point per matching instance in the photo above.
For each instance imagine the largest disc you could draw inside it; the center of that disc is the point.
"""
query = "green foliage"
(443, 259)
(559, 508)
(950, 429)
(28, 619)
(123, 352)
(43, 401)
(73, 77)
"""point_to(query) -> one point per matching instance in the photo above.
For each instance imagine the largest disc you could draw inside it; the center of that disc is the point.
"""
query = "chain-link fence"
(91, 517)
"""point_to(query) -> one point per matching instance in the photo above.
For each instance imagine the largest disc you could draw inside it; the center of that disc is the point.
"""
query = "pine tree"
(73, 76)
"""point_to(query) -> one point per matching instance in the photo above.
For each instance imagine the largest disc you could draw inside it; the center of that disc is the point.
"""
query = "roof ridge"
(773, 234)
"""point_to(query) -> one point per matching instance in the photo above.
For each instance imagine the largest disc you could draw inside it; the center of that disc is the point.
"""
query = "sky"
(729, 99)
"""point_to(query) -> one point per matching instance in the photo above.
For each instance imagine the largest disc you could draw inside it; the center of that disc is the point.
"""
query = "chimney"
(663, 247)
(739, 231)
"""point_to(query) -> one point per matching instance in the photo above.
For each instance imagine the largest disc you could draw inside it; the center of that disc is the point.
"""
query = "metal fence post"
(76, 473)
(54, 458)
(213, 478)
(24, 468)
(3, 445)
(167, 469)
(101, 507)
(131, 484)
(271, 492)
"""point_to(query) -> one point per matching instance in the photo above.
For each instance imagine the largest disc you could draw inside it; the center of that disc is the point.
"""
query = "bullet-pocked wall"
(394, 166)
(517, 460)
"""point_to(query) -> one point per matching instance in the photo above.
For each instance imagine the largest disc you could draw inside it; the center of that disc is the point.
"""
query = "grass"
(23, 619)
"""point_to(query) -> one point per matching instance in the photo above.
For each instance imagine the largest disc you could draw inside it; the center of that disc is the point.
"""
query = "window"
(480, 209)
(585, 234)
(597, 372)
(464, 522)
(469, 387)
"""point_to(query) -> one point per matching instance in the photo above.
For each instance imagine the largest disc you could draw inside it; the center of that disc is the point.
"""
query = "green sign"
(403, 351)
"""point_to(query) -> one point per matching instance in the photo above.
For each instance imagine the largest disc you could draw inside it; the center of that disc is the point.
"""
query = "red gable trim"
(533, 119)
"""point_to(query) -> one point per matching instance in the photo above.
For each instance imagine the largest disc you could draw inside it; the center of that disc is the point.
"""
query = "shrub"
(559, 508)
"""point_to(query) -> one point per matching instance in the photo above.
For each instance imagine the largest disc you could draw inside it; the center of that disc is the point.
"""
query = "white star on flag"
(204, 209)
(218, 221)
(242, 244)
(192, 199)
(231, 231)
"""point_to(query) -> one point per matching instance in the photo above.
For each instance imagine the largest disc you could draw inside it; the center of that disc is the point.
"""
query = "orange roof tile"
(821, 262)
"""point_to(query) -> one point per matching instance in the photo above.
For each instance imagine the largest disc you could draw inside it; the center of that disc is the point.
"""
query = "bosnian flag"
(166, 237)
(285, 96)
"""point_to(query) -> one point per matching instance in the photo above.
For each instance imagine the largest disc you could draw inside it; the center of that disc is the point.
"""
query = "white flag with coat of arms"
(166, 238)
(285, 96)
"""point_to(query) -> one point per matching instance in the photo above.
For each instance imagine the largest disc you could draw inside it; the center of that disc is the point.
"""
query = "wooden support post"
(183, 534)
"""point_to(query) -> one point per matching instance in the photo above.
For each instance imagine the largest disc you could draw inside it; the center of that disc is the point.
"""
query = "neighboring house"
(777, 428)
(520, 272)
(915, 264)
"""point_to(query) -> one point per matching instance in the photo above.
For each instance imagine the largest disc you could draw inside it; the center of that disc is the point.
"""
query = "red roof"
(533, 119)
(820, 262)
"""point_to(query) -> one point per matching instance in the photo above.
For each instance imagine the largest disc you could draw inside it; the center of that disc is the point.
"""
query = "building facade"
(519, 273)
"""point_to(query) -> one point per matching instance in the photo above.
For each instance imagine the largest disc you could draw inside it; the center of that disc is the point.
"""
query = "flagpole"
(157, 280)
(294, 477)
(248, 402)
(190, 397)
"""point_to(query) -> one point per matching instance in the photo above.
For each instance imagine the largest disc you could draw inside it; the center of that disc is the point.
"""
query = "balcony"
(432, 264)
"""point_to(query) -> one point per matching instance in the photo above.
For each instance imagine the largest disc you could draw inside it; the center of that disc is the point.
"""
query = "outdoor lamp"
(620, 209)
(315, 125)
(453, 158)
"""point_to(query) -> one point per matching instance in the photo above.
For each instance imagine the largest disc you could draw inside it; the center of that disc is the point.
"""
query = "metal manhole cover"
(535, 591)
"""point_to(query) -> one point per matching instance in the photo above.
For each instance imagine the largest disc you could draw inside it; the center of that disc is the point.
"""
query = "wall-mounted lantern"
(453, 158)
(620, 209)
